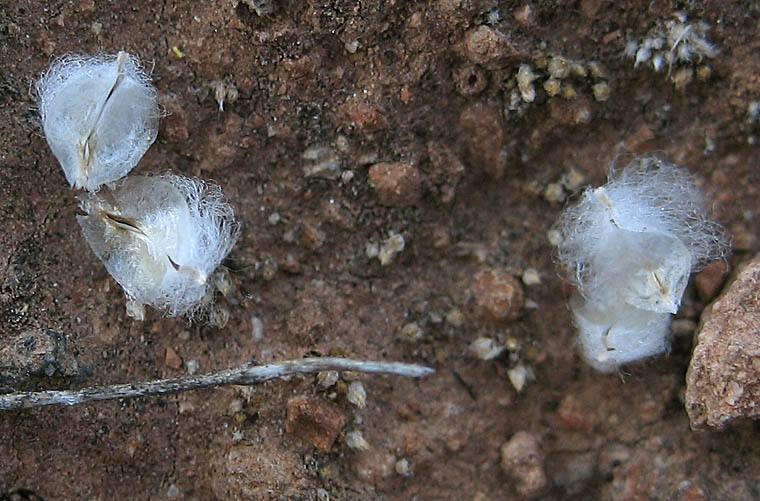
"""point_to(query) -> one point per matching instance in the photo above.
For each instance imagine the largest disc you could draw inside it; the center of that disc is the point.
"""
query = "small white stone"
(402, 467)
(411, 331)
(531, 277)
(391, 246)
(525, 78)
(486, 348)
(601, 91)
(455, 317)
(326, 379)
(355, 440)
(192, 367)
(554, 193)
(554, 237)
(357, 395)
(517, 376)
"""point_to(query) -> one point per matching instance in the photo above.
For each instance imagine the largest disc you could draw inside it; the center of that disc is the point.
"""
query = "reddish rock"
(523, 460)
(722, 380)
(498, 295)
(171, 359)
(482, 135)
(397, 183)
(366, 117)
(314, 420)
(486, 46)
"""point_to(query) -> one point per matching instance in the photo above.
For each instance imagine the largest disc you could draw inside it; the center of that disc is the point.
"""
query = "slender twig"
(245, 375)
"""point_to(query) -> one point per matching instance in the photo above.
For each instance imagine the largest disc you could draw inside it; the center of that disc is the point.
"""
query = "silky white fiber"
(99, 115)
(161, 238)
(629, 247)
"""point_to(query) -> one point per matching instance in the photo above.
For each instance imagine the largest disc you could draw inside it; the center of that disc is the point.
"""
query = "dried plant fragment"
(161, 238)
(99, 115)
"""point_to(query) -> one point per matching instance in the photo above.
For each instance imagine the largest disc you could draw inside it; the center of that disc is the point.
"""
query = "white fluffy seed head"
(161, 238)
(629, 247)
(99, 115)
(611, 337)
(639, 237)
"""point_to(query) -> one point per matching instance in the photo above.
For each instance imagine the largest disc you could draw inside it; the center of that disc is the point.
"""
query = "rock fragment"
(315, 420)
(523, 460)
(171, 359)
(368, 118)
(498, 295)
(721, 383)
(486, 46)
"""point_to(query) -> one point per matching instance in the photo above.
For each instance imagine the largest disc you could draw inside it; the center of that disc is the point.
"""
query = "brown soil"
(425, 93)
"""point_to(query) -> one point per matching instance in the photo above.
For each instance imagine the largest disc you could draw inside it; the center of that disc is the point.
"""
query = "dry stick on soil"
(245, 375)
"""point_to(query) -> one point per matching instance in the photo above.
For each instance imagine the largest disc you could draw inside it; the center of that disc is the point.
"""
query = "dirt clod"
(315, 420)
(523, 460)
(498, 295)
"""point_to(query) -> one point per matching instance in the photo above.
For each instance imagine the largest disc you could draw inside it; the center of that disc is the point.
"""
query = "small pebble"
(552, 86)
(357, 395)
(347, 176)
(411, 331)
(455, 317)
(498, 295)
(355, 440)
(531, 277)
(554, 237)
(236, 406)
(559, 67)
(601, 91)
(573, 179)
(326, 379)
(192, 367)
(171, 359)
(517, 376)
(486, 348)
(554, 193)
(525, 78)
(371, 249)
(523, 460)
(402, 467)
(682, 77)
(390, 247)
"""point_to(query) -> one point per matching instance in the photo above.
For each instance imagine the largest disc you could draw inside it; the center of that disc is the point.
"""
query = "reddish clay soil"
(353, 122)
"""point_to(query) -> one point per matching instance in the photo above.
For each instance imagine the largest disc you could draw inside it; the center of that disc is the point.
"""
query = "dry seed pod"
(99, 115)
(630, 247)
(637, 238)
(161, 238)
